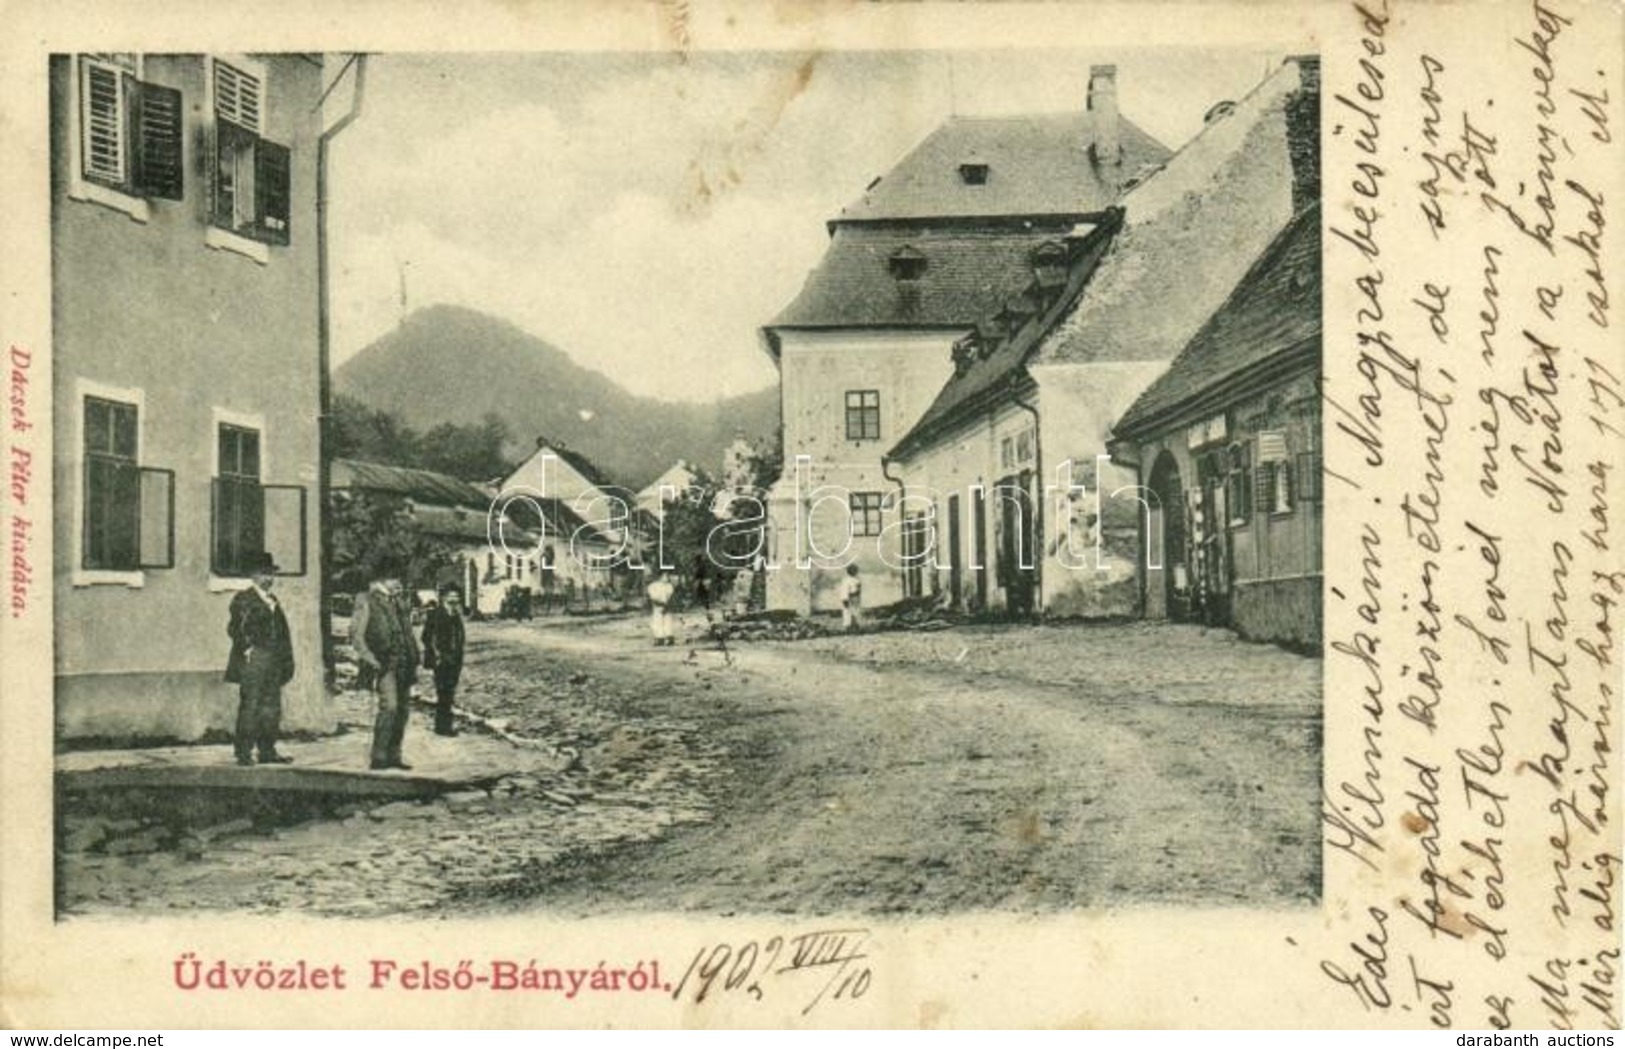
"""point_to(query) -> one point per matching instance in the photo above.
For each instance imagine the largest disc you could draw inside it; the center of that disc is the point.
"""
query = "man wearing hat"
(381, 631)
(443, 654)
(260, 663)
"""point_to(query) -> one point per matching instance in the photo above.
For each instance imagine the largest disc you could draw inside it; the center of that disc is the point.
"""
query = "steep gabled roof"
(1274, 312)
(967, 275)
(420, 485)
(1036, 165)
(1190, 232)
(1000, 371)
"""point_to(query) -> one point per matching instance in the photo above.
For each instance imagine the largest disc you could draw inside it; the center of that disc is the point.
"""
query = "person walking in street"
(852, 600)
(382, 635)
(443, 653)
(260, 663)
(661, 593)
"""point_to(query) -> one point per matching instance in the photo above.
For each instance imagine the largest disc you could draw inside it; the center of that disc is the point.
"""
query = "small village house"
(1227, 441)
(1005, 475)
(590, 528)
(187, 376)
(944, 240)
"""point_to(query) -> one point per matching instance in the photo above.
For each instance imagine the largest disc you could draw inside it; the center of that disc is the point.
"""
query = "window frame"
(79, 575)
(867, 514)
(222, 476)
(250, 238)
(865, 413)
(1238, 482)
(93, 190)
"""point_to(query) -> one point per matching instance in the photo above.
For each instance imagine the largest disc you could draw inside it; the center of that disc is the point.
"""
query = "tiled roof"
(1275, 309)
(466, 525)
(1036, 165)
(581, 465)
(1005, 364)
(422, 485)
(967, 275)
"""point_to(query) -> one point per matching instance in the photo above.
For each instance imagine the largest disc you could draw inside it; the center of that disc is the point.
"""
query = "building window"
(866, 515)
(1280, 480)
(112, 486)
(1238, 492)
(973, 173)
(1017, 449)
(129, 132)
(1274, 483)
(252, 175)
(863, 415)
(239, 502)
(129, 509)
(906, 264)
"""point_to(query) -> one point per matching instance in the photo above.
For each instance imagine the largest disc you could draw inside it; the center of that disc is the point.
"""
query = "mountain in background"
(448, 364)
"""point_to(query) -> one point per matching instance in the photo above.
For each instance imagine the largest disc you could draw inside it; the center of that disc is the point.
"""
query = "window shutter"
(104, 124)
(237, 96)
(273, 182)
(157, 518)
(157, 168)
(284, 533)
(1308, 478)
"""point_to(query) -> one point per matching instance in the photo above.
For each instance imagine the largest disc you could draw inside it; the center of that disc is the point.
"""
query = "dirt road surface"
(980, 768)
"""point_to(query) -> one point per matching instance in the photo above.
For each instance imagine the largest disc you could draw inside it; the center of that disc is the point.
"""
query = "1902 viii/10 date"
(724, 968)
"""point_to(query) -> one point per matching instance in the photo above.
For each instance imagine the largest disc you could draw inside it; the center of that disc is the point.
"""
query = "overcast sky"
(647, 214)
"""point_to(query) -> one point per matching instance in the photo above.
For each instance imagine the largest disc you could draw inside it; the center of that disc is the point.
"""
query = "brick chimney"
(1303, 132)
(1107, 147)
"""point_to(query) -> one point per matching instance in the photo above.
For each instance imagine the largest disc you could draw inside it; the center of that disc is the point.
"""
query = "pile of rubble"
(771, 626)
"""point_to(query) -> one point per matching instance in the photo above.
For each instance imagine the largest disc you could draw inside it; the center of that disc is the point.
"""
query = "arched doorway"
(1168, 584)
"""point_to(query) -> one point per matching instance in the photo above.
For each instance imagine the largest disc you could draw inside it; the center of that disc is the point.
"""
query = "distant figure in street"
(702, 583)
(260, 663)
(851, 600)
(660, 594)
(381, 632)
(443, 654)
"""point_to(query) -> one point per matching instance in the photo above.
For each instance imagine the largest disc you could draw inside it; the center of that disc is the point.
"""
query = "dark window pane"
(249, 466)
(98, 426)
(124, 431)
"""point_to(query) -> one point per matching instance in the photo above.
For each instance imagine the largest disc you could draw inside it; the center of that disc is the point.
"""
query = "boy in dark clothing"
(443, 654)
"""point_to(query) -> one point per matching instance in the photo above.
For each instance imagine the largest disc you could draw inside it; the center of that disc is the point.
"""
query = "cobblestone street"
(991, 767)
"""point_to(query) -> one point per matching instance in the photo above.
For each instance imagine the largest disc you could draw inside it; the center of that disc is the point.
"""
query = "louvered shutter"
(273, 183)
(237, 96)
(157, 126)
(103, 117)
(1308, 477)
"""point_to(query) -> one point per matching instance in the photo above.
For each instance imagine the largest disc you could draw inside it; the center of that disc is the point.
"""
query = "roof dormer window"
(906, 263)
(973, 173)
(1049, 263)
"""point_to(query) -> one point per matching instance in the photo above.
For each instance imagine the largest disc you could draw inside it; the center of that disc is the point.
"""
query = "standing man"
(443, 654)
(260, 663)
(381, 632)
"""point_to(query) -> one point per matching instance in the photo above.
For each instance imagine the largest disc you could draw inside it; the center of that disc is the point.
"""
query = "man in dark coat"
(260, 663)
(443, 654)
(381, 631)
